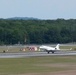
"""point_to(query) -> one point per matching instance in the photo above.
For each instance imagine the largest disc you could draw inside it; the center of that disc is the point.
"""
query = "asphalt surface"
(34, 54)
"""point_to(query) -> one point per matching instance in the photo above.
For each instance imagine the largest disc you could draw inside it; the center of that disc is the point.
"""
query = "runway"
(34, 54)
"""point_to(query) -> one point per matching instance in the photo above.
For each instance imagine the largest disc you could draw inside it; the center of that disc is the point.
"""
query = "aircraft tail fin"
(57, 47)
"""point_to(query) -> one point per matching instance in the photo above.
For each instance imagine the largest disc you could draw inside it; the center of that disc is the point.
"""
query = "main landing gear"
(49, 52)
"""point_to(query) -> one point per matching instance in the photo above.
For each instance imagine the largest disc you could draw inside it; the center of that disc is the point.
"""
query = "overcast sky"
(42, 9)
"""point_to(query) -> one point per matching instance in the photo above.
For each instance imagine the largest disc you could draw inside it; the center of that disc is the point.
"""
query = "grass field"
(40, 65)
(36, 65)
(17, 48)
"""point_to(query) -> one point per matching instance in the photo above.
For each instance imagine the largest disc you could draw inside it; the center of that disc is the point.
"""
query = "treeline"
(37, 31)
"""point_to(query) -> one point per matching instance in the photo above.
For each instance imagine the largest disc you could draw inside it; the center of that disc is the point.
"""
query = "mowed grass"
(18, 48)
(68, 47)
(10, 48)
(15, 66)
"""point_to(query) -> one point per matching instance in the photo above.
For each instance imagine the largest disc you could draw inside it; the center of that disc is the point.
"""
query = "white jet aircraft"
(50, 49)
